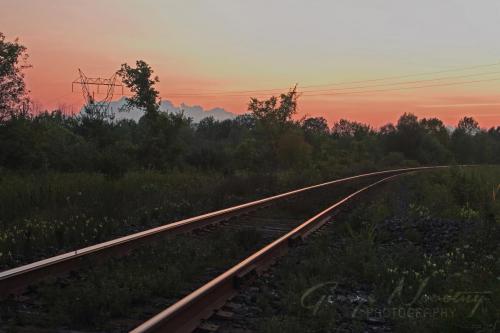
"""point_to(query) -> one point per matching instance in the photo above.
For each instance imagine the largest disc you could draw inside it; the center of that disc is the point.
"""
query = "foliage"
(268, 139)
(350, 129)
(262, 151)
(268, 111)
(139, 81)
(101, 296)
(13, 59)
(249, 143)
(468, 125)
(50, 213)
(376, 248)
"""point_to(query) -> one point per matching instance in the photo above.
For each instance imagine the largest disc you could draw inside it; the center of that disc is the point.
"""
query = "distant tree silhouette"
(269, 111)
(435, 128)
(409, 135)
(292, 150)
(345, 128)
(316, 125)
(469, 125)
(139, 81)
(464, 140)
(13, 59)
(267, 141)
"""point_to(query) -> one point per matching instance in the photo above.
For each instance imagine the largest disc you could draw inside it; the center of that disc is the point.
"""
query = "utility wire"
(215, 92)
(330, 92)
(404, 82)
(362, 87)
(456, 69)
(306, 94)
(405, 88)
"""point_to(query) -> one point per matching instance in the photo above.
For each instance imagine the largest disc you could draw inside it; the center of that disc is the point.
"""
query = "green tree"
(468, 125)
(465, 141)
(409, 135)
(292, 150)
(269, 111)
(345, 128)
(315, 125)
(13, 60)
(272, 120)
(436, 128)
(139, 81)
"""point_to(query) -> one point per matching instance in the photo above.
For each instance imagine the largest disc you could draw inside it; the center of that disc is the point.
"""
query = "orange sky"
(197, 47)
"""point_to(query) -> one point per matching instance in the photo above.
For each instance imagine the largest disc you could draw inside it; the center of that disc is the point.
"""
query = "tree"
(292, 150)
(246, 121)
(139, 81)
(388, 137)
(468, 125)
(435, 128)
(315, 125)
(13, 60)
(272, 119)
(268, 111)
(409, 135)
(388, 129)
(345, 128)
(463, 140)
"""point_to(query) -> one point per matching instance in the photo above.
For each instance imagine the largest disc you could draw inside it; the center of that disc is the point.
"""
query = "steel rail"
(16, 279)
(187, 314)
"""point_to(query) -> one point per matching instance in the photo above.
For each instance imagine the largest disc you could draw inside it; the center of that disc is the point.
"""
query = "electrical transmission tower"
(92, 86)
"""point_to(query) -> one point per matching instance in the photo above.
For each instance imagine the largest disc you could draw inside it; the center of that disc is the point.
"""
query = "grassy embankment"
(49, 213)
(424, 257)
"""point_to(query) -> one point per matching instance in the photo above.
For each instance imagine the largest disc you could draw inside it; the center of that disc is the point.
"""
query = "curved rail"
(16, 279)
(187, 314)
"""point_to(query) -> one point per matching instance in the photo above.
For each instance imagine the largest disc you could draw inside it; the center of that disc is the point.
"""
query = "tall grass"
(366, 258)
(49, 213)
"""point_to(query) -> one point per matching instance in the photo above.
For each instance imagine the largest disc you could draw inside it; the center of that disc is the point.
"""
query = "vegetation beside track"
(121, 293)
(43, 215)
(47, 214)
(434, 232)
(69, 180)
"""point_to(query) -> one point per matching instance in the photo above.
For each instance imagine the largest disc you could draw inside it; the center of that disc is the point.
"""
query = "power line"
(366, 86)
(405, 88)
(405, 82)
(457, 69)
(238, 92)
(330, 92)
(375, 90)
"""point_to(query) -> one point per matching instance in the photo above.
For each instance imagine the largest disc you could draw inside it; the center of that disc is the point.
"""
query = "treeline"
(265, 140)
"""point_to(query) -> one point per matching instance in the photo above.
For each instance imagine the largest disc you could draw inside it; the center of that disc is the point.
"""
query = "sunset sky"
(208, 52)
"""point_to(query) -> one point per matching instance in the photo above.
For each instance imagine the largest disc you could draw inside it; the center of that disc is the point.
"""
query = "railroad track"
(186, 314)
(16, 279)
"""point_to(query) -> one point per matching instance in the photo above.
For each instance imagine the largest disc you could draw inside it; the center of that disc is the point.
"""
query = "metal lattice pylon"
(97, 107)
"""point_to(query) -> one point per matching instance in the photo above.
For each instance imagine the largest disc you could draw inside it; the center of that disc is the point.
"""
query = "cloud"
(195, 112)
